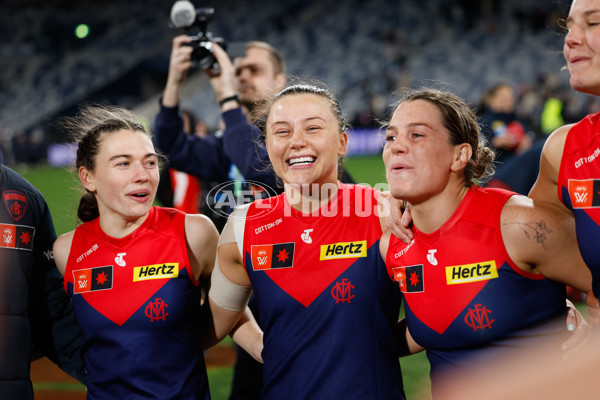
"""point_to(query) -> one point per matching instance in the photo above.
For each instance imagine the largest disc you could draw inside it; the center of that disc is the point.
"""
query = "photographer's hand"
(224, 84)
(179, 65)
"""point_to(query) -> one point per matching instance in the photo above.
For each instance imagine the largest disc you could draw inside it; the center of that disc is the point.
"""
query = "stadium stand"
(360, 48)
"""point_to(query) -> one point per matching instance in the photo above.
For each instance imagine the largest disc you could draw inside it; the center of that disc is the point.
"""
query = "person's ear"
(343, 144)
(87, 179)
(462, 155)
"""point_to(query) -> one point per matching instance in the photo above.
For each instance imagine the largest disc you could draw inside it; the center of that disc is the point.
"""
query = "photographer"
(254, 77)
(238, 89)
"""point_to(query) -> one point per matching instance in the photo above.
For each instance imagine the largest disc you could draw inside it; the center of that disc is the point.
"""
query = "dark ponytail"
(88, 207)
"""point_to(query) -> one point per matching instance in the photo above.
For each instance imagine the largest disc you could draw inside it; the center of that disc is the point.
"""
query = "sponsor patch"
(16, 203)
(335, 251)
(17, 237)
(409, 278)
(92, 279)
(271, 256)
(584, 193)
(480, 271)
(156, 271)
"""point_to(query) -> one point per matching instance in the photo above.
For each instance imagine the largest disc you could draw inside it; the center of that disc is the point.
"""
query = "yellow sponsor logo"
(156, 271)
(344, 250)
(480, 271)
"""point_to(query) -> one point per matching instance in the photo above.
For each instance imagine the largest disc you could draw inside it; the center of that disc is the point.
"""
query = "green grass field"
(61, 189)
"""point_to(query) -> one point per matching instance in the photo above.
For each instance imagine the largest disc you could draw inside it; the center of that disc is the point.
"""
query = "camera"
(185, 15)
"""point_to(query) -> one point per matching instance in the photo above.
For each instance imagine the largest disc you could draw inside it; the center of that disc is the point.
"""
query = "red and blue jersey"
(137, 303)
(579, 189)
(463, 292)
(326, 306)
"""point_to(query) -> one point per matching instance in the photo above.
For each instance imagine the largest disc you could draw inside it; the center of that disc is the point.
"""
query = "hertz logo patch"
(471, 272)
(344, 250)
(156, 271)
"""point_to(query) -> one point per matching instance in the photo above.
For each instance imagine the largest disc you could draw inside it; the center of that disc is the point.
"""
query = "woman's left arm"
(540, 238)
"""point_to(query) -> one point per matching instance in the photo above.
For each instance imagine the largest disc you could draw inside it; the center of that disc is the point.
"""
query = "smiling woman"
(155, 258)
(487, 267)
(311, 257)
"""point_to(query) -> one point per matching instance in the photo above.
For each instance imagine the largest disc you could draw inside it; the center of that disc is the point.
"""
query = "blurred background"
(57, 55)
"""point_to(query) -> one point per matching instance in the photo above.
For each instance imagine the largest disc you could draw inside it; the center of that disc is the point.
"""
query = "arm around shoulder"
(540, 238)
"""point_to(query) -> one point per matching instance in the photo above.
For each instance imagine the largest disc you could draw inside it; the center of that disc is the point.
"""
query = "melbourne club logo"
(16, 203)
(342, 291)
(478, 318)
(156, 310)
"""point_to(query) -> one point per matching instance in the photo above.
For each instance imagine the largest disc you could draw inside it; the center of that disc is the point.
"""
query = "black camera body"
(185, 15)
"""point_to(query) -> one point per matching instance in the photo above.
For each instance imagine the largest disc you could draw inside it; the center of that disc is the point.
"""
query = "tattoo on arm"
(535, 230)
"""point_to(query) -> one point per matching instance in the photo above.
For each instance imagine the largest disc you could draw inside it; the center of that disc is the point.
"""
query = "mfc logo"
(344, 250)
(471, 272)
(156, 271)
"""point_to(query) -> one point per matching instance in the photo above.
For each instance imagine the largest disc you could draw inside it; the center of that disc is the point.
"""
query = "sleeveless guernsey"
(462, 291)
(326, 305)
(579, 189)
(137, 303)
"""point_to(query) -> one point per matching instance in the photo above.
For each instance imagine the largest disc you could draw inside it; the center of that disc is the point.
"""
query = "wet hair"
(87, 129)
(461, 122)
(276, 58)
(320, 90)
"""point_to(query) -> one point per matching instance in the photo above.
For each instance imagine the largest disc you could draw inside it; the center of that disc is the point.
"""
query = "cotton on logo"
(431, 257)
(306, 236)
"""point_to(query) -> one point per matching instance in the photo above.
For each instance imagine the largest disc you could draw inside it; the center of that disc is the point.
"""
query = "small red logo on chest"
(478, 318)
(155, 310)
(342, 291)
(16, 203)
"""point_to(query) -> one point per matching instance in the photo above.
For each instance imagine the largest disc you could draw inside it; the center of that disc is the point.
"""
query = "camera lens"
(203, 56)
